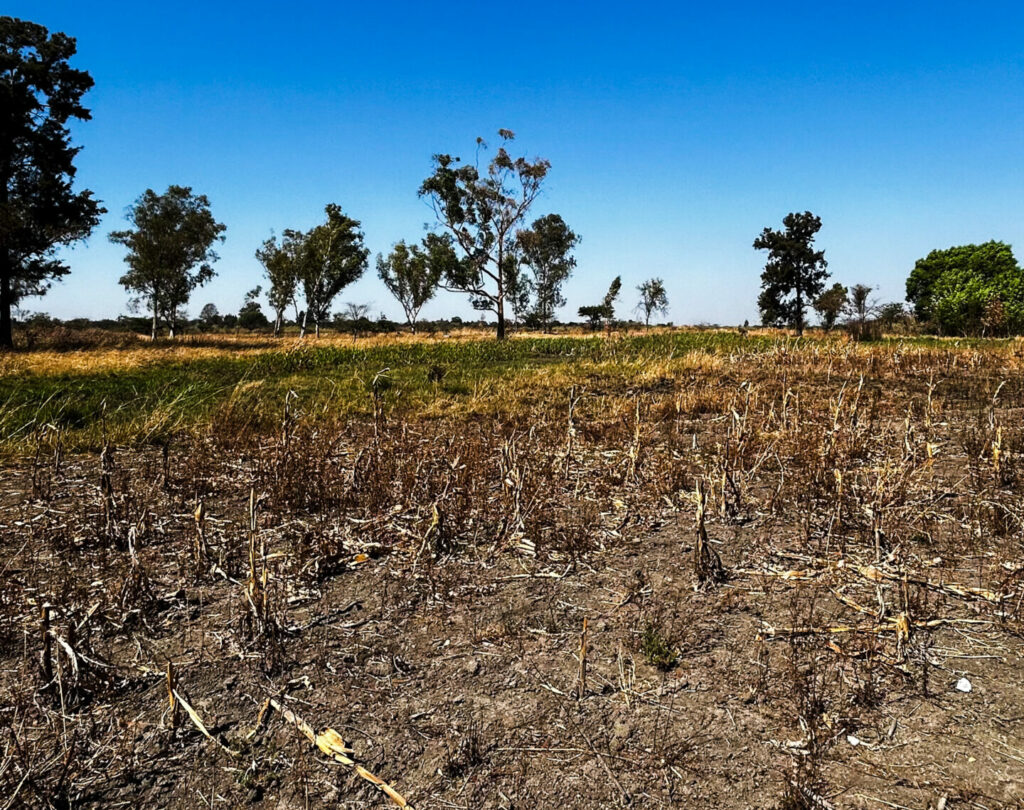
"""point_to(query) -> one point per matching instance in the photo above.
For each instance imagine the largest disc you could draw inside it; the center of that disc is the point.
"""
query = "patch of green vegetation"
(656, 649)
(151, 403)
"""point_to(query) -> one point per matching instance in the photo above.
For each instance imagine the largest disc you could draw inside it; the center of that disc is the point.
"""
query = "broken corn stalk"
(331, 743)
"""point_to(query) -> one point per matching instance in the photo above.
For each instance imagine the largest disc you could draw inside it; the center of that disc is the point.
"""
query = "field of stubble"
(693, 569)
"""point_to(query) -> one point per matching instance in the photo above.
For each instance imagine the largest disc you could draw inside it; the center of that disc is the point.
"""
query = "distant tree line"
(482, 245)
(965, 290)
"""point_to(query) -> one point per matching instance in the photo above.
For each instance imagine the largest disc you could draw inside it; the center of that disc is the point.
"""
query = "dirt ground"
(516, 615)
(458, 682)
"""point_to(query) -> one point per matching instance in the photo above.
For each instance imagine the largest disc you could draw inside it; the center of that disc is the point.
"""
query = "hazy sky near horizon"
(676, 131)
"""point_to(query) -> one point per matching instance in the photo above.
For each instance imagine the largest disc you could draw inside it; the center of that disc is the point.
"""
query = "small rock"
(964, 685)
(620, 733)
(472, 666)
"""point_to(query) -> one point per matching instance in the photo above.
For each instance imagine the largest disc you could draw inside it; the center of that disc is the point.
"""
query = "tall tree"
(482, 211)
(860, 308)
(606, 309)
(332, 257)
(209, 316)
(39, 209)
(281, 265)
(545, 249)
(412, 274)
(795, 272)
(653, 298)
(830, 305)
(953, 287)
(251, 316)
(170, 250)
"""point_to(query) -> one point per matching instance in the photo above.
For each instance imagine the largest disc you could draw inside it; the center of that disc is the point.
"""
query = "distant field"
(148, 394)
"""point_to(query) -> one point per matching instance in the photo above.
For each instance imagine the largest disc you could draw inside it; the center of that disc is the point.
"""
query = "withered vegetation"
(755, 572)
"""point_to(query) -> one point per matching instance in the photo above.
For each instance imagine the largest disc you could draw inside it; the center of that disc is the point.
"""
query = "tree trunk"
(153, 334)
(302, 328)
(6, 301)
(277, 325)
(799, 313)
(501, 319)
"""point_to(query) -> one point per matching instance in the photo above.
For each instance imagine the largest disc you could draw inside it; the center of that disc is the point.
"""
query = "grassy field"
(691, 568)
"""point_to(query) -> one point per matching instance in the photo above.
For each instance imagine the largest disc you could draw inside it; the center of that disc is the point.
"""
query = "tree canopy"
(482, 211)
(281, 267)
(969, 289)
(170, 250)
(412, 273)
(653, 298)
(545, 251)
(831, 304)
(605, 311)
(795, 273)
(39, 209)
(330, 257)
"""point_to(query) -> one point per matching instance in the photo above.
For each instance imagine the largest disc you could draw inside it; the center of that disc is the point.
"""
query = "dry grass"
(415, 574)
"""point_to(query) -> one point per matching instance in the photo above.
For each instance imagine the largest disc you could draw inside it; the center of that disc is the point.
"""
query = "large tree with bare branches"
(483, 210)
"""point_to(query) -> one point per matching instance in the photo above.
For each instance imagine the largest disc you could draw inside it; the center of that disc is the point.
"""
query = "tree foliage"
(482, 211)
(170, 250)
(281, 264)
(544, 250)
(412, 273)
(795, 273)
(969, 289)
(251, 316)
(331, 256)
(604, 311)
(39, 209)
(831, 304)
(653, 298)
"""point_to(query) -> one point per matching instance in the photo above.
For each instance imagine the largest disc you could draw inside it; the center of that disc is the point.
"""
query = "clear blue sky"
(675, 131)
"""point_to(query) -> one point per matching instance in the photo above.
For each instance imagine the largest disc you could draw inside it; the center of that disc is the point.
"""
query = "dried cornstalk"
(332, 744)
(581, 678)
(707, 564)
(172, 700)
(200, 516)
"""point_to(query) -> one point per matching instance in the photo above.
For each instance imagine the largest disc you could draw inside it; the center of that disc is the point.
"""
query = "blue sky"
(676, 131)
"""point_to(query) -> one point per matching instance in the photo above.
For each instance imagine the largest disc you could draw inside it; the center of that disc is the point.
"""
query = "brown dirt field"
(444, 646)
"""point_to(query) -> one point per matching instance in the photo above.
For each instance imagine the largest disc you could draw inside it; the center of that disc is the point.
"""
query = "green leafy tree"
(892, 313)
(39, 208)
(970, 289)
(170, 251)
(830, 305)
(653, 298)
(209, 316)
(412, 273)
(332, 257)
(985, 261)
(795, 273)
(282, 267)
(605, 311)
(545, 250)
(482, 211)
(251, 316)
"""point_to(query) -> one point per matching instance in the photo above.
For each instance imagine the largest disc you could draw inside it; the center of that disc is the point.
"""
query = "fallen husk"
(331, 743)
